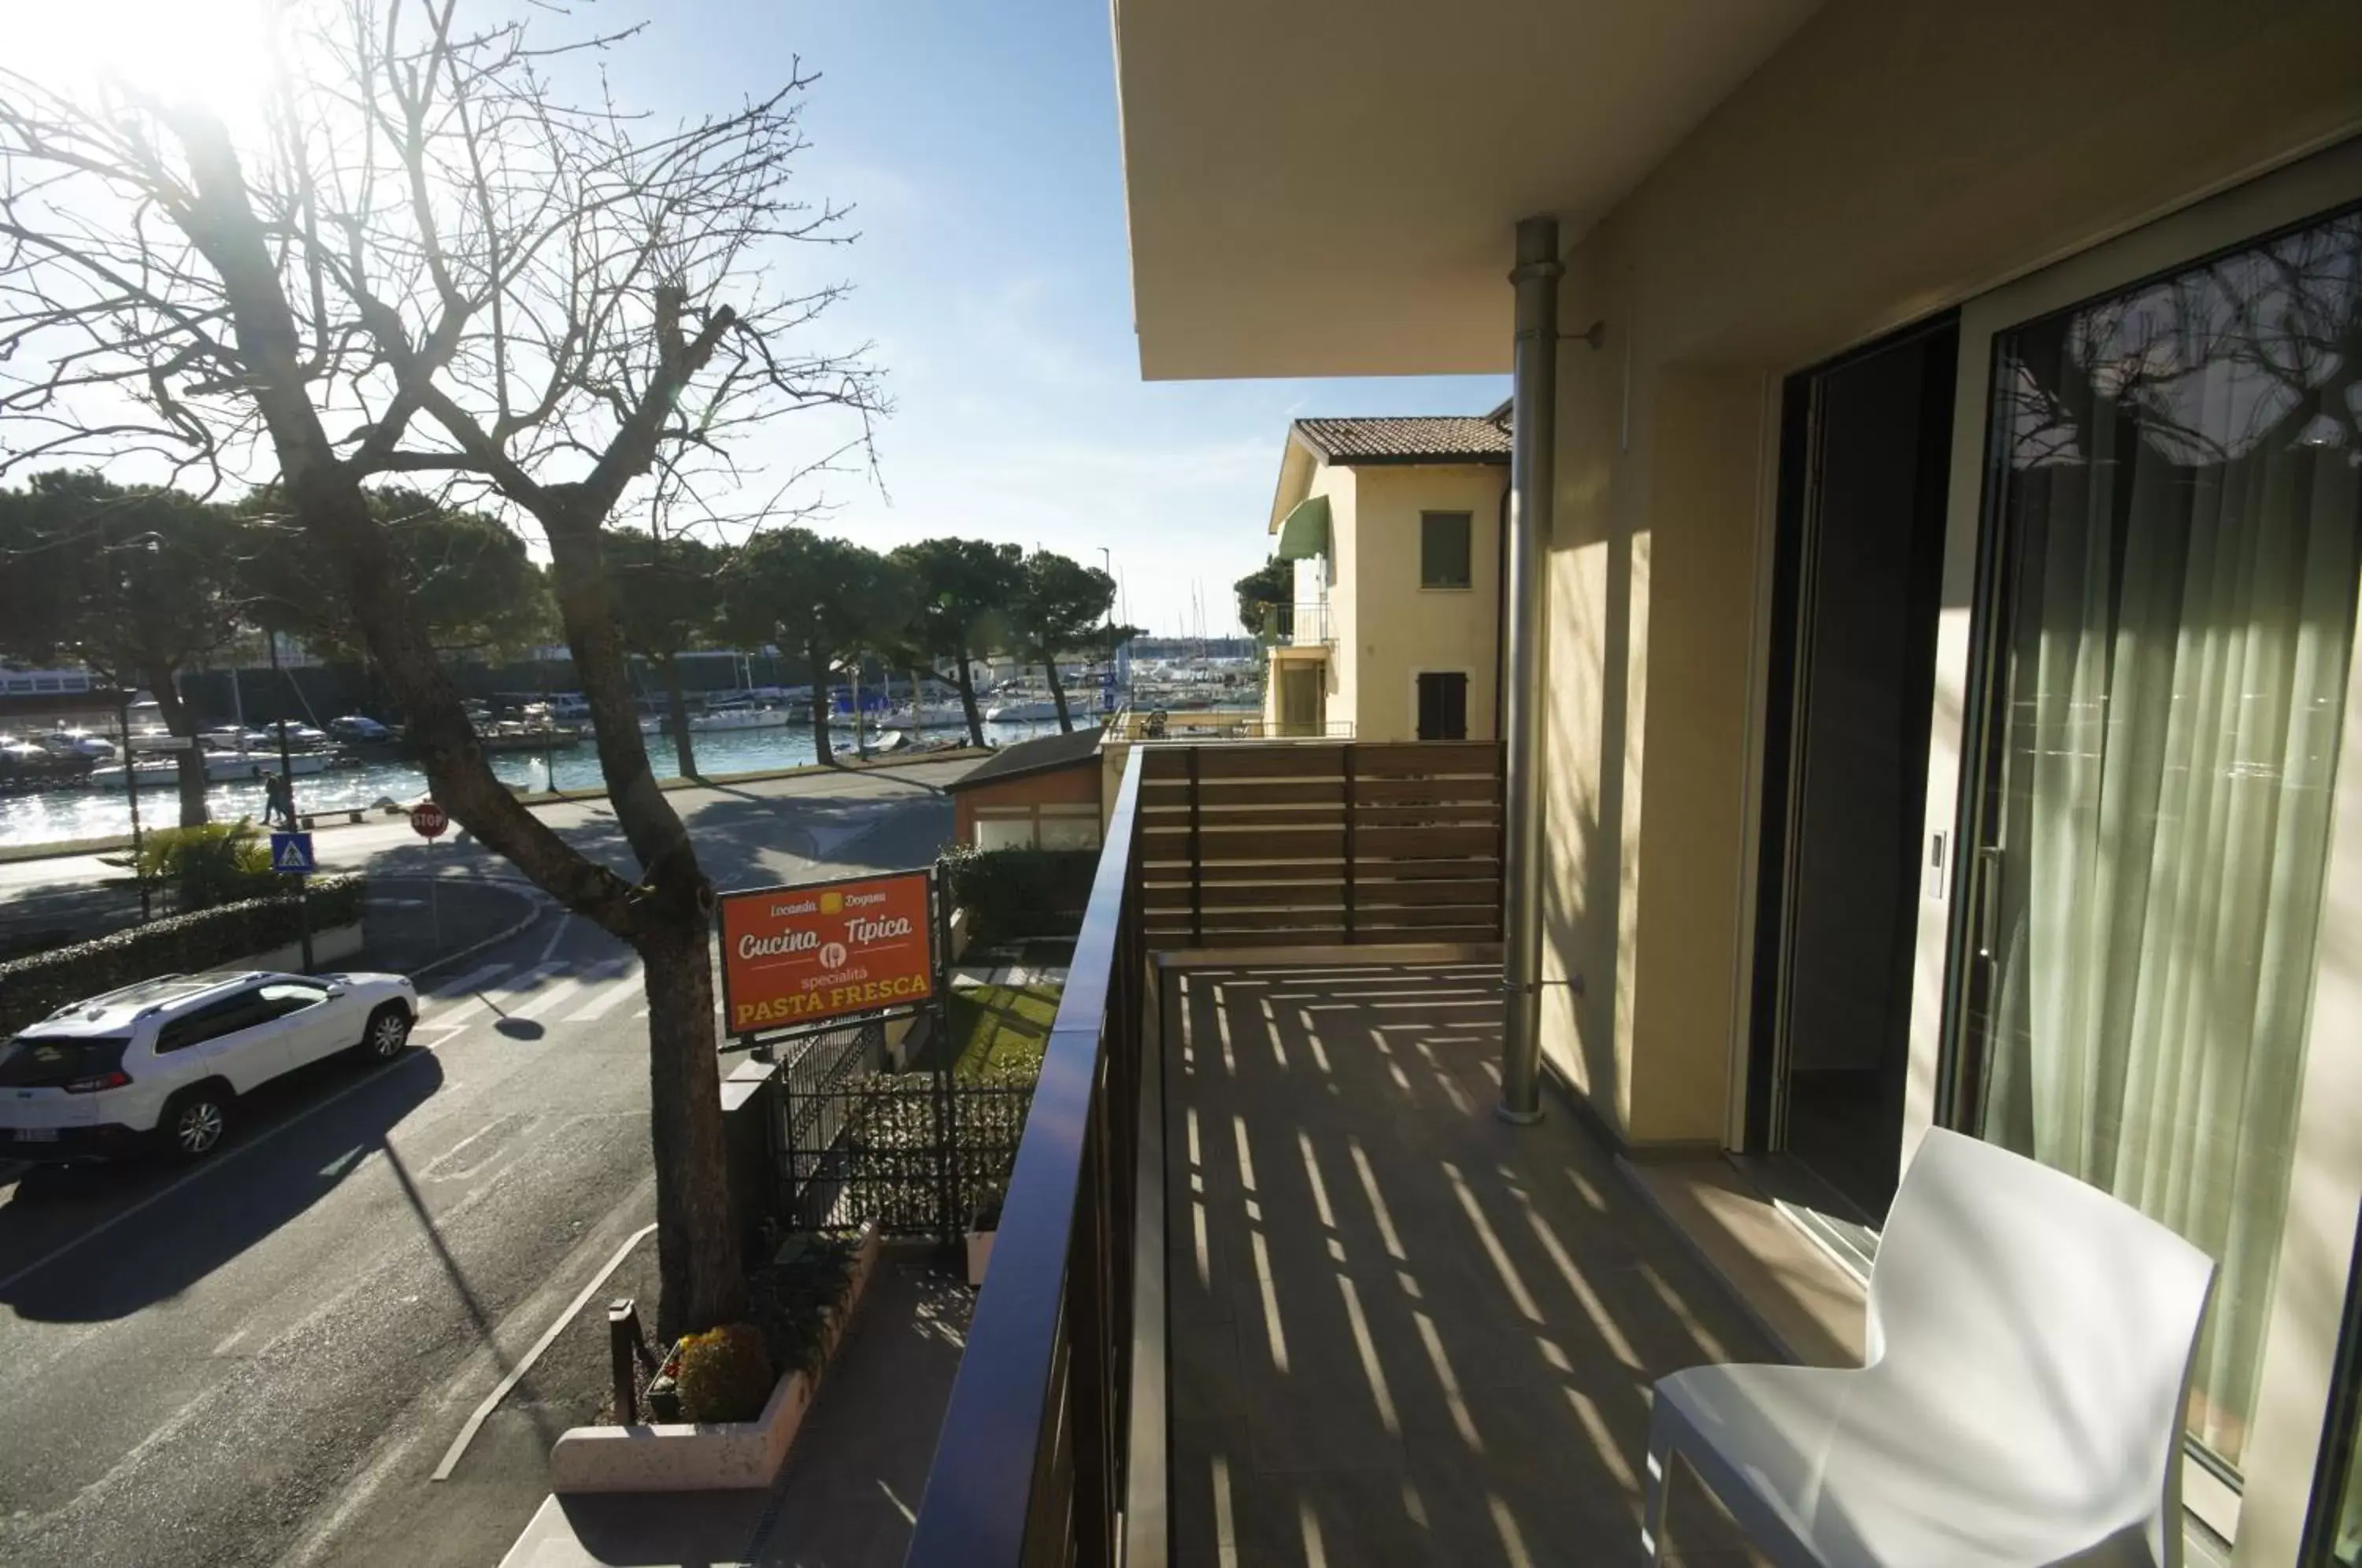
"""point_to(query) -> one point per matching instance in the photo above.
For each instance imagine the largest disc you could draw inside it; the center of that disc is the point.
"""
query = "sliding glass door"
(2173, 535)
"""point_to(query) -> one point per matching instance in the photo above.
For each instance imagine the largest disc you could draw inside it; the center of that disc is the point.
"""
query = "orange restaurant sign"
(793, 955)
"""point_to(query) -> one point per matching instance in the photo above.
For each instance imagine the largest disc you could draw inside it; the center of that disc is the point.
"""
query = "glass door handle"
(1989, 866)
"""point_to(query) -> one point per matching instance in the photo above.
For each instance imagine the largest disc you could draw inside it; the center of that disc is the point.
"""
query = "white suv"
(165, 1061)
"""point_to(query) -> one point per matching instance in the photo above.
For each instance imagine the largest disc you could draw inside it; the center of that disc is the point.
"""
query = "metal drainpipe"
(1533, 427)
(1500, 613)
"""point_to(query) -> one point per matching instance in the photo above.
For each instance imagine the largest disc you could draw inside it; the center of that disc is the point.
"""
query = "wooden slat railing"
(1285, 846)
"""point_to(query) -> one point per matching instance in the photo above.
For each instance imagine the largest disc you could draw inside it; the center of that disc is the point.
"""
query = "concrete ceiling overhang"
(1327, 187)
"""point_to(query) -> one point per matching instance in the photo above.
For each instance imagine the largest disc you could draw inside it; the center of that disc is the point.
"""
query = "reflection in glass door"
(1856, 602)
(2334, 1528)
(2179, 527)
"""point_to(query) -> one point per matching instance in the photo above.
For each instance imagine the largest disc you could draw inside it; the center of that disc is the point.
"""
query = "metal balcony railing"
(1039, 1447)
(1198, 725)
(1302, 625)
(1053, 1448)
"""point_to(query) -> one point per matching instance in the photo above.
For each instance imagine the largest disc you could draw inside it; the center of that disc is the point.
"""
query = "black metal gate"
(918, 1152)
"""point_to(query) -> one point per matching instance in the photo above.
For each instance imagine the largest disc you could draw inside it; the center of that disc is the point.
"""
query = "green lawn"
(998, 1030)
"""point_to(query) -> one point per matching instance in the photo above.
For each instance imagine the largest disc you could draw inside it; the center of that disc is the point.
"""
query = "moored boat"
(724, 717)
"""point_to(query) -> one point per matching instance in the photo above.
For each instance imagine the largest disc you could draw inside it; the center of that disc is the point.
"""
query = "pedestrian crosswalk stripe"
(460, 985)
(601, 975)
(535, 992)
(613, 997)
(594, 991)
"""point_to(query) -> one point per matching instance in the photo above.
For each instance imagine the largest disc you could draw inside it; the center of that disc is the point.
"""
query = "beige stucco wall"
(1341, 487)
(1890, 160)
(1393, 628)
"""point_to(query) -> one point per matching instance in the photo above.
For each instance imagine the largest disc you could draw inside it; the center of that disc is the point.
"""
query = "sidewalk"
(645, 1529)
(850, 1490)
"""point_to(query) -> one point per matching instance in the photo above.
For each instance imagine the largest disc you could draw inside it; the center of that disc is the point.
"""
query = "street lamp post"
(860, 733)
(150, 544)
(1107, 667)
(548, 730)
(131, 794)
(287, 795)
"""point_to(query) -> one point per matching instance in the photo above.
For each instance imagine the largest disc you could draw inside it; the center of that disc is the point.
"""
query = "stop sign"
(428, 819)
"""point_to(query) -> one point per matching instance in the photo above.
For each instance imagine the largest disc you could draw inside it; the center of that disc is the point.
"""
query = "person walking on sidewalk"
(278, 801)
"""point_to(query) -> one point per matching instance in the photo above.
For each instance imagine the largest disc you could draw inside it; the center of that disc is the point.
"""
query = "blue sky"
(979, 145)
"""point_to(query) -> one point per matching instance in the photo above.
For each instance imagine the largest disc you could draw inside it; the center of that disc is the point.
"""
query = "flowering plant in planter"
(788, 1301)
(725, 1373)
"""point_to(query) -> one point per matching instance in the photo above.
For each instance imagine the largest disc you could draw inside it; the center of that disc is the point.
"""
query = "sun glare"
(212, 54)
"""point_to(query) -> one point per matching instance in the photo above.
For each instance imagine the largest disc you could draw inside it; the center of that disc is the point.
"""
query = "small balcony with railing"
(1302, 622)
(1199, 726)
(1274, 1284)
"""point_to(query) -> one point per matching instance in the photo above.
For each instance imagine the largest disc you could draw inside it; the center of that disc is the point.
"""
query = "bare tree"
(443, 253)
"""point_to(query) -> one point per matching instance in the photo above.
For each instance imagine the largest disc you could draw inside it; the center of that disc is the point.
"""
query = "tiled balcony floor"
(1403, 1331)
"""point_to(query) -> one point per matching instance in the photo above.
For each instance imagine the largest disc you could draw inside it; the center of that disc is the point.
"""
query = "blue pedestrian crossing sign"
(292, 853)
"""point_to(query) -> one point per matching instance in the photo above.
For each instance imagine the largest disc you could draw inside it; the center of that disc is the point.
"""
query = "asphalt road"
(262, 1360)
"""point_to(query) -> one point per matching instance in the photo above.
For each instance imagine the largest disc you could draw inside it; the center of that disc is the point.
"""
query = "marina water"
(58, 815)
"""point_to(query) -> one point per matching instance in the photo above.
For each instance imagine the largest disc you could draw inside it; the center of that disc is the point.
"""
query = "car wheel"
(195, 1123)
(389, 1031)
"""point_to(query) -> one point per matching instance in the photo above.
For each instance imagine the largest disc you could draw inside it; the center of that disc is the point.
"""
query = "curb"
(536, 905)
(516, 1374)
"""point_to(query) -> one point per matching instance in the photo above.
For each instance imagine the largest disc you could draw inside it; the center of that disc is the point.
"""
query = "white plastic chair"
(2029, 1350)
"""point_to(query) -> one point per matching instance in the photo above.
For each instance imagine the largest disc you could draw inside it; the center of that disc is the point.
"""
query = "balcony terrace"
(1274, 1285)
(1400, 1330)
(1203, 726)
(1300, 623)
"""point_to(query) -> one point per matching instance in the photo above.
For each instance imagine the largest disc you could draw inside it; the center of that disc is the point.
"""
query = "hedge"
(32, 989)
(1012, 894)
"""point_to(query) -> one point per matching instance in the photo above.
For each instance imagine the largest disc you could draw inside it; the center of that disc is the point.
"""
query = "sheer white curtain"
(2181, 613)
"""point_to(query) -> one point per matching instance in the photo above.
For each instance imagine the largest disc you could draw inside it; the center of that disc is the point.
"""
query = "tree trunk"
(1058, 695)
(967, 681)
(822, 750)
(697, 1229)
(183, 724)
(684, 747)
(666, 920)
(662, 912)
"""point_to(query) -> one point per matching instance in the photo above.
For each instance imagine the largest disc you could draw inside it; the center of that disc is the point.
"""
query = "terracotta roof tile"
(1432, 438)
(1042, 754)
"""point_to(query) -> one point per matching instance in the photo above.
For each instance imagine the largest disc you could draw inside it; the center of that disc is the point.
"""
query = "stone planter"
(708, 1456)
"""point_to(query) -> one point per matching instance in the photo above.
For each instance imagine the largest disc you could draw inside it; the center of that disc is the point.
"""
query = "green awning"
(1304, 532)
